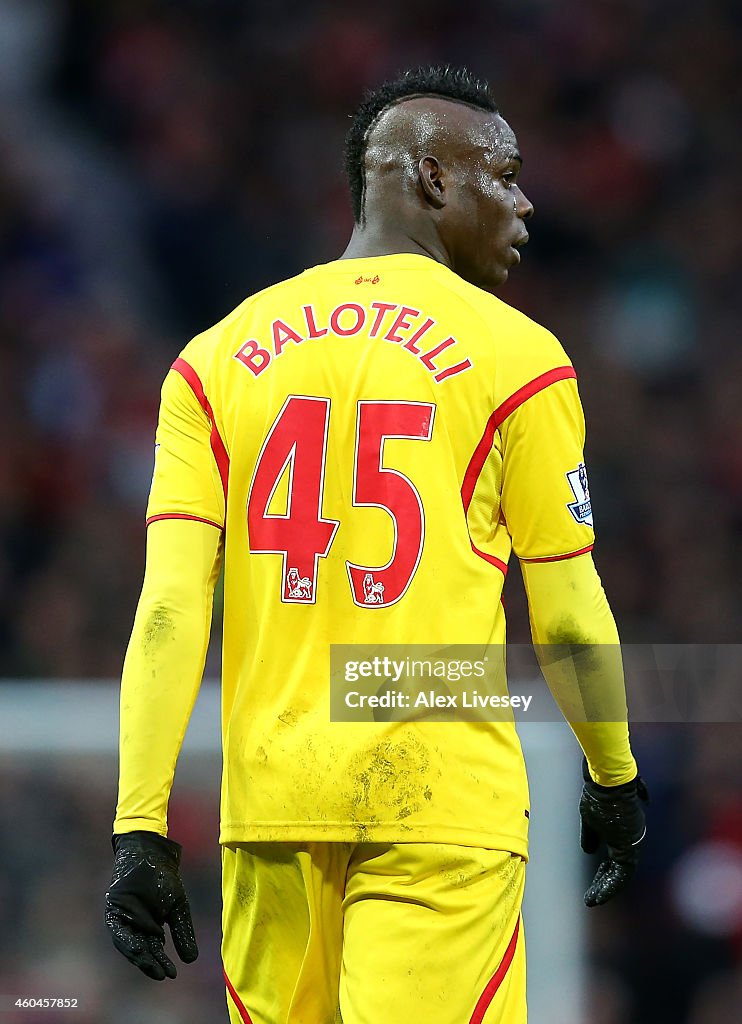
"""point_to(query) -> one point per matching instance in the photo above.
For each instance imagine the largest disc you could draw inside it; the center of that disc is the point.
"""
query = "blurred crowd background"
(159, 161)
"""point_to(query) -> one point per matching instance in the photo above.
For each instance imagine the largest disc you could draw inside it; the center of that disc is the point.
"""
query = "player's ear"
(430, 174)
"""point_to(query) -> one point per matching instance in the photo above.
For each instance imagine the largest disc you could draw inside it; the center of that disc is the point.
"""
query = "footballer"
(362, 448)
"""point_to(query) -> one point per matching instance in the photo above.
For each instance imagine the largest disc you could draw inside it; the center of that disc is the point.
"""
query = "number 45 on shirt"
(297, 442)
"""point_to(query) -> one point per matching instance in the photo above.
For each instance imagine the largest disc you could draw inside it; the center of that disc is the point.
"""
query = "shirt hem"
(390, 832)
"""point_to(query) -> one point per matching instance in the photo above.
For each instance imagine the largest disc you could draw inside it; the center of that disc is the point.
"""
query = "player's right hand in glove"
(612, 815)
(145, 893)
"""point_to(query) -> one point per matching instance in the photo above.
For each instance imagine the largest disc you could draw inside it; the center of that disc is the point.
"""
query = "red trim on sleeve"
(492, 559)
(191, 378)
(560, 558)
(183, 515)
(478, 459)
(476, 463)
(532, 388)
(220, 454)
(237, 1001)
(500, 414)
(496, 980)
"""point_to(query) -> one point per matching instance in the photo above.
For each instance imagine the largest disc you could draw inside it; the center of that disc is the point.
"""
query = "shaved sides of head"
(405, 132)
(410, 126)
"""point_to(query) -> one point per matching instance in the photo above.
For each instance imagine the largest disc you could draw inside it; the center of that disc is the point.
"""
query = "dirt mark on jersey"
(159, 627)
(244, 894)
(388, 782)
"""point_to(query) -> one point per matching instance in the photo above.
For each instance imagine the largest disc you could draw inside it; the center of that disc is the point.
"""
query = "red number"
(296, 442)
(375, 485)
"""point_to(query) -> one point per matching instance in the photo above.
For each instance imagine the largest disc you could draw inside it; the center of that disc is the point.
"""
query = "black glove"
(146, 892)
(612, 815)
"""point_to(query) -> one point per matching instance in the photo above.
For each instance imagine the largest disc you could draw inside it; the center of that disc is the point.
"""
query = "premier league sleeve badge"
(581, 508)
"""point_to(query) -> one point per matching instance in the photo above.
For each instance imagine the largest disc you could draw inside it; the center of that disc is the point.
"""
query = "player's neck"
(375, 240)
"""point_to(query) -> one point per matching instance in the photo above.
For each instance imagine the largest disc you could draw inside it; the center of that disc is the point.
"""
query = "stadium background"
(159, 161)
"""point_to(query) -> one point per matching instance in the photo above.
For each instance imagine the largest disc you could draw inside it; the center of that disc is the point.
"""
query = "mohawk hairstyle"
(457, 84)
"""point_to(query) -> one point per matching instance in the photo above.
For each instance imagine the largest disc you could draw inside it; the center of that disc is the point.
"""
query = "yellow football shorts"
(340, 933)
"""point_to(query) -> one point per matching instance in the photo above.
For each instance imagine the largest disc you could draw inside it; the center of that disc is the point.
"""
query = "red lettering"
(457, 368)
(312, 331)
(345, 332)
(255, 358)
(401, 323)
(427, 358)
(411, 346)
(383, 308)
(283, 333)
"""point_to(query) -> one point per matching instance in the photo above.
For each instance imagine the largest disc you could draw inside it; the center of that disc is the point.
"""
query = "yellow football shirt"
(374, 436)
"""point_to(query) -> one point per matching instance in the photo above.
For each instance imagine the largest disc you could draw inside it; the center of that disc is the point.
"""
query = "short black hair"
(457, 84)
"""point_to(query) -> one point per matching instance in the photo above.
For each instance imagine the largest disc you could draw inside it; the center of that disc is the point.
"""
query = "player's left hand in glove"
(612, 815)
(145, 893)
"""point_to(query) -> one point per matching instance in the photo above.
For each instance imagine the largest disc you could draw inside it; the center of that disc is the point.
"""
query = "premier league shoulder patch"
(581, 508)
